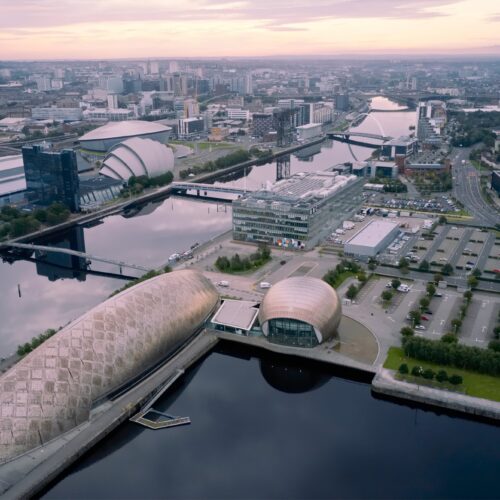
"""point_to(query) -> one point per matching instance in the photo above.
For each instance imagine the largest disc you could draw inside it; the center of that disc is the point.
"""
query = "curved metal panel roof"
(127, 128)
(306, 299)
(136, 157)
(51, 390)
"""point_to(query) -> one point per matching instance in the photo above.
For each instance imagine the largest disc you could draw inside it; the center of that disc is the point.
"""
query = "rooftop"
(237, 313)
(373, 233)
(124, 129)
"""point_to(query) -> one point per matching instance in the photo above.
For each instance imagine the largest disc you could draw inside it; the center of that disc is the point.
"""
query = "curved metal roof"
(126, 128)
(135, 157)
(306, 299)
(51, 390)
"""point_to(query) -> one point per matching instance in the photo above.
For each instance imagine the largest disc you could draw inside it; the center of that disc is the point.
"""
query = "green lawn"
(474, 384)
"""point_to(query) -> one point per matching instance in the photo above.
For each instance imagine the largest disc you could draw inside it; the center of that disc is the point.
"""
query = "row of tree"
(16, 223)
(147, 276)
(430, 374)
(24, 349)
(136, 185)
(237, 264)
(486, 361)
(226, 161)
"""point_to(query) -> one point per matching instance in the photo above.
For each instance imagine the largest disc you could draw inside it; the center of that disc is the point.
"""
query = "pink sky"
(43, 29)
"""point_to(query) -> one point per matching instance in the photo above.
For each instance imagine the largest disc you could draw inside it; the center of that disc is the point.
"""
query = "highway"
(467, 189)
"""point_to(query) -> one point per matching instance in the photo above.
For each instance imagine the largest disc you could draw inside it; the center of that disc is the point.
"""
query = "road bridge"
(83, 255)
(207, 188)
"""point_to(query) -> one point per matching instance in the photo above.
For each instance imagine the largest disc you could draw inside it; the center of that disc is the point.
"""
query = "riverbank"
(28, 474)
(385, 383)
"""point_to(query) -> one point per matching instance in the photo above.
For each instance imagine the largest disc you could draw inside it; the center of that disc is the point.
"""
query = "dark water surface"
(270, 427)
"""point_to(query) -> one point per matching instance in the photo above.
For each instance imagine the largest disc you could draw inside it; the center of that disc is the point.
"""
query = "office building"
(191, 108)
(262, 124)
(296, 212)
(52, 176)
(12, 180)
(341, 102)
(190, 127)
(371, 239)
(495, 181)
(238, 114)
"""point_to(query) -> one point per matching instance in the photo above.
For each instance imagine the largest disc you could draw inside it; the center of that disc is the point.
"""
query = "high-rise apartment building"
(52, 176)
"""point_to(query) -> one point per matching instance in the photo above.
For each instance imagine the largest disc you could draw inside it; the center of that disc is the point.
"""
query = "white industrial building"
(59, 114)
(372, 239)
(309, 131)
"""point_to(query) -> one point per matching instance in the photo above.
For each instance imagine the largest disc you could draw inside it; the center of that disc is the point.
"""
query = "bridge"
(83, 255)
(207, 188)
(347, 135)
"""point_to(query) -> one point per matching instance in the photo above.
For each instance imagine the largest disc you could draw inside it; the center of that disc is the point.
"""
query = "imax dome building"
(300, 312)
(136, 157)
(102, 139)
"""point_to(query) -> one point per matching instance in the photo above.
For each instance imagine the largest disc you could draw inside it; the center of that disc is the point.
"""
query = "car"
(419, 327)
(223, 283)
(428, 312)
(265, 284)
(388, 285)
(425, 318)
(438, 294)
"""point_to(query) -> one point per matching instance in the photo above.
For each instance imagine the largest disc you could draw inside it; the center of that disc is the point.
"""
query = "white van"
(265, 284)
(223, 283)
(403, 288)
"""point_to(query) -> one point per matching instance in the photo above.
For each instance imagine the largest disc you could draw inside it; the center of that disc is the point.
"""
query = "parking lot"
(402, 201)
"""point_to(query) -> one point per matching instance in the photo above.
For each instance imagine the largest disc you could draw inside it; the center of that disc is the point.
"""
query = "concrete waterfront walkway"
(27, 474)
(385, 383)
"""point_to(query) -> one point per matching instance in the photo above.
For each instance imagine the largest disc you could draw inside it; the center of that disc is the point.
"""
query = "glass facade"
(291, 332)
(52, 177)
(263, 217)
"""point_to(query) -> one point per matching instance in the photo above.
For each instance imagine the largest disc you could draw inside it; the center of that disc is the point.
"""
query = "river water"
(263, 426)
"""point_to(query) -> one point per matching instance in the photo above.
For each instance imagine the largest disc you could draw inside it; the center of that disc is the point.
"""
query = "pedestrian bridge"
(205, 189)
(83, 255)
(346, 134)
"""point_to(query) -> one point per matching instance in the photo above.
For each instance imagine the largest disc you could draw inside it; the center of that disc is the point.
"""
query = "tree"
(431, 289)
(496, 332)
(414, 317)
(416, 371)
(406, 331)
(352, 291)
(424, 266)
(468, 296)
(476, 272)
(441, 376)
(403, 263)
(449, 338)
(386, 295)
(494, 345)
(424, 303)
(403, 369)
(442, 219)
(428, 374)
(472, 281)
(447, 269)
(395, 283)
(362, 277)
(455, 379)
(456, 324)
(438, 277)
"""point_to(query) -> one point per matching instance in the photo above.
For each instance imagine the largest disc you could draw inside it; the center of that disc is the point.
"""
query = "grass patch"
(474, 384)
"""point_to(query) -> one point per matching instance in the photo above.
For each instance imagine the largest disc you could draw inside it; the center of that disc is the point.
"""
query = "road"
(467, 189)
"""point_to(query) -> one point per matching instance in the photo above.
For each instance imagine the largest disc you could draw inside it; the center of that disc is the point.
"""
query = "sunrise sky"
(94, 29)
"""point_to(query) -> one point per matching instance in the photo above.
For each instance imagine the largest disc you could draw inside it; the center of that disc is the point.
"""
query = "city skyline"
(73, 29)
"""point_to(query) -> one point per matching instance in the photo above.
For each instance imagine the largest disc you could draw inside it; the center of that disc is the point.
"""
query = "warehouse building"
(372, 239)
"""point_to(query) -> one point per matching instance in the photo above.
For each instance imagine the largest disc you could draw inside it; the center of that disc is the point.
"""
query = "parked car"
(265, 284)
(223, 283)
(425, 318)
(419, 327)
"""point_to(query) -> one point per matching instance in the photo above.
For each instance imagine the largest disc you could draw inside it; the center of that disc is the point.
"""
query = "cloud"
(494, 19)
(284, 28)
(48, 13)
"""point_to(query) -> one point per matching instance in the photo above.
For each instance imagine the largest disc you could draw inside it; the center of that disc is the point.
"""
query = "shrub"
(449, 338)
(386, 295)
(403, 369)
(455, 379)
(494, 345)
(428, 374)
(416, 371)
(441, 376)
(406, 331)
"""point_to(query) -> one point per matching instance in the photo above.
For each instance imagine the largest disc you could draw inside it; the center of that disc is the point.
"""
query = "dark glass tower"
(52, 176)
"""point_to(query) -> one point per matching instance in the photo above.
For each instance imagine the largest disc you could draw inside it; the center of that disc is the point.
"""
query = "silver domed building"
(135, 157)
(100, 140)
(52, 389)
(301, 312)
